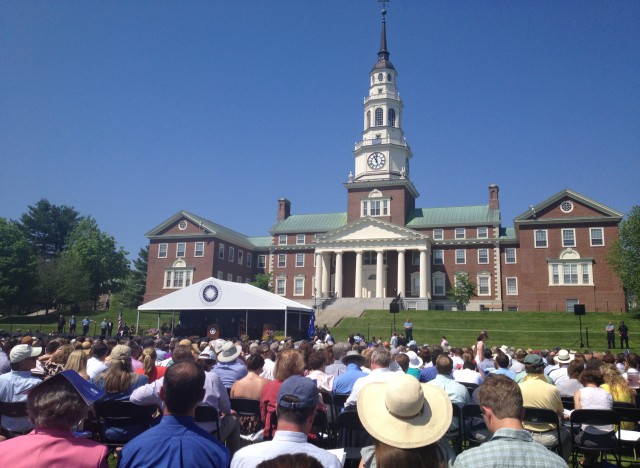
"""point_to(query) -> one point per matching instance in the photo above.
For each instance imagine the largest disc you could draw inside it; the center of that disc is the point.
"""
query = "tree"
(462, 291)
(47, 227)
(624, 256)
(133, 287)
(17, 267)
(93, 253)
(263, 281)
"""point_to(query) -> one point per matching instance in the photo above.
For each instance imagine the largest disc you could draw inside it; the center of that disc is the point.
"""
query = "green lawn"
(517, 329)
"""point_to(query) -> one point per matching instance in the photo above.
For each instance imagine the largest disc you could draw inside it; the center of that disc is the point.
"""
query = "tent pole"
(158, 320)
(246, 322)
(173, 320)
(286, 310)
(138, 324)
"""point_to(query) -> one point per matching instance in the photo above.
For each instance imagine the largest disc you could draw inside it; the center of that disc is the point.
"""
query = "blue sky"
(130, 111)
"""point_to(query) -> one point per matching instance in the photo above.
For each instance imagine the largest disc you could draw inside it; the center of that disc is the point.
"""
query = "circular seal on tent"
(209, 294)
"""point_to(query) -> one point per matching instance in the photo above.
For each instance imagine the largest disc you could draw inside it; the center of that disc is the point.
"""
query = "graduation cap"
(89, 392)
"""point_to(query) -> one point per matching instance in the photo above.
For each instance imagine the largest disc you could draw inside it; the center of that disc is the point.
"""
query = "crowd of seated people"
(357, 373)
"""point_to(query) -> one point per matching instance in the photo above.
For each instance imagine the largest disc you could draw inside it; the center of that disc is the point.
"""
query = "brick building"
(384, 246)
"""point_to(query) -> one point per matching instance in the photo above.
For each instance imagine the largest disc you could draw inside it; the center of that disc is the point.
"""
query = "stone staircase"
(337, 309)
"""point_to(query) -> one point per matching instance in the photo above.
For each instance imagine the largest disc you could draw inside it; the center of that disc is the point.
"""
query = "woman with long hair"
(78, 362)
(58, 360)
(149, 367)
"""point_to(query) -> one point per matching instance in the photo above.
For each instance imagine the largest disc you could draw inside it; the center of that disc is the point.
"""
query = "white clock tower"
(382, 158)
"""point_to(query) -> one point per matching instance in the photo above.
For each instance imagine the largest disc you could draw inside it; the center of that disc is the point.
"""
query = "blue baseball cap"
(303, 389)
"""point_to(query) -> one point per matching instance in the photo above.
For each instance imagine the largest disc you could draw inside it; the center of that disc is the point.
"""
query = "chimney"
(494, 202)
(284, 209)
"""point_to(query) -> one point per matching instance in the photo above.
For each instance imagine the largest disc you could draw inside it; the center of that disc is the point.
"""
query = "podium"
(213, 331)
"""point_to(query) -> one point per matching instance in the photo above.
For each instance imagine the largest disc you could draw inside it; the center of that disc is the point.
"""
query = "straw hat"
(355, 357)
(415, 361)
(229, 352)
(563, 356)
(404, 413)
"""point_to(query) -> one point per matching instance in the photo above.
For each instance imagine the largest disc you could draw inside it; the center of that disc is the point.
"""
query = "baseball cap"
(302, 388)
(533, 360)
(23, 351)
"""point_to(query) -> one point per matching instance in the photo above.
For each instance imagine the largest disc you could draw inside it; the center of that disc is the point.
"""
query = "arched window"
(392, 118)
(379, 116)
(368, 119)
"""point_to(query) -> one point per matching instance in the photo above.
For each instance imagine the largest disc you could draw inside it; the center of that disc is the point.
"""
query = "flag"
(312, 326)
(119, 322)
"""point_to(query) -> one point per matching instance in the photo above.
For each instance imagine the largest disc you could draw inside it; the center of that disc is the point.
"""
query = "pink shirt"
(52, 448)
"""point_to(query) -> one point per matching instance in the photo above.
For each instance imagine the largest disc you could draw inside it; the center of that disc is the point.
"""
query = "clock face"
(376, 160)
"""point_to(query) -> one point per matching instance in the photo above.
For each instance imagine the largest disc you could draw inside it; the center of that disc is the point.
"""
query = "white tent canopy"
(213, 294)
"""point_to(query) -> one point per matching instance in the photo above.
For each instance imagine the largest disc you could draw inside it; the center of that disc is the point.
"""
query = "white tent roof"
(215, 294)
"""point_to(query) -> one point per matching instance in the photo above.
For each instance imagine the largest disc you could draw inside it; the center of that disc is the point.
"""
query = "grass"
(518, 329)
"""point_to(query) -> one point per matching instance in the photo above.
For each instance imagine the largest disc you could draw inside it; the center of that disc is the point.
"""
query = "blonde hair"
(78, 362)
(289, 362)
(61, 355)
(149, 357)
(119, 376)
(618, 386)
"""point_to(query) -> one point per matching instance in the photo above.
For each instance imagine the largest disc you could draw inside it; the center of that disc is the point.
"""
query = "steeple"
(383, 53)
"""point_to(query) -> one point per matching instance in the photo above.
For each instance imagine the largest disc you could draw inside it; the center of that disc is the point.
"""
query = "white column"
(358, 282)
(338, 274)
(326, 277)
(318, 284)
(423, 274)
(401, 278)
(379, 273)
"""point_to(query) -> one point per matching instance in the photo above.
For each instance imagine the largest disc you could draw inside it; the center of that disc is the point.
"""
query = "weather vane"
(384, 6)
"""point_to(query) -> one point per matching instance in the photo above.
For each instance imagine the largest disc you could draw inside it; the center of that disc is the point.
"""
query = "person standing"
(484, 336)
(110, 328)
(85, 326)
(408, 329)
(61, 322)
(611, 338)
(103, 327)
(623, 331)
(72, 325)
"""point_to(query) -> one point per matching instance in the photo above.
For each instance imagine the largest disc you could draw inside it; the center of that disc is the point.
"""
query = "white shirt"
(377, 375)
(467, 376)
(267, 369)
(283, 443)
(95, 367)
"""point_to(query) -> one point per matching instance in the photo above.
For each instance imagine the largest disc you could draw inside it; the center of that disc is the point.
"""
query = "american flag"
(119, 321)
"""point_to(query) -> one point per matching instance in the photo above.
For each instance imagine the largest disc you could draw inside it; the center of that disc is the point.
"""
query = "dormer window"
(376, 205)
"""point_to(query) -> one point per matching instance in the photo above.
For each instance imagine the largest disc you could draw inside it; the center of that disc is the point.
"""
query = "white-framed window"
(568, 238)
(162, 250)
(282, 239)
(230, 277)
(182, 225)
(220, 275)
(391, 119)
(238, 279)
(378, 116)
(438, 281)
(512, 286)
(438, 234)
(249, 259)
(483, 256)
(483, 233)
(298, 286)
(461, 256)
(281, 286)
(461, 233)
(232, 253)
(178, 277)
(597, 237)
(299, 260)
(221, 249)
(199, 249)
(262, 261)
(510, 255)
(566, 206)
(484, 285)
(438, 257)
(240, 257)
(578, 273)
(282, 260)
(300, 239)
(181, 249)
(540, 238)
(555, 274)
(375, 205)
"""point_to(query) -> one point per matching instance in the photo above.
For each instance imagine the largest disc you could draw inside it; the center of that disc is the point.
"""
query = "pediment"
(370, 229)
(581, 207)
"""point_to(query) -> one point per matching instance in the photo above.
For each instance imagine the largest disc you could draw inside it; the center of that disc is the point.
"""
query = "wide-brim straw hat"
(563, 356)
(229, 352)
(404, 413)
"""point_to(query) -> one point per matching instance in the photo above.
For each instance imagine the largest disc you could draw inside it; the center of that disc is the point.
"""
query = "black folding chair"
(568, 402)
(629, 436)
(127, 418)
(13, 410)
(545, 416)
(352, 436)
(594, 417)
(455, 435)
(471, 387)
(209, 415)
(474, 429)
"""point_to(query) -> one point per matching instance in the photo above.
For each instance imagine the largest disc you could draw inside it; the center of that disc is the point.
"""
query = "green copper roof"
(310, 223)
(453, 216)
(508, 233)
(260, 241)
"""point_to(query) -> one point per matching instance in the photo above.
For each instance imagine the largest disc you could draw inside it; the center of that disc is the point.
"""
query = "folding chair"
(471, 387)
(629, 414)
(474, 429)
(455, 435)
(545, 416)
(352, 436)
(128, 419)
(320, 428)
(595, 417)
(568, 403)
(248, 411)
(13, 410)
(207, 417)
